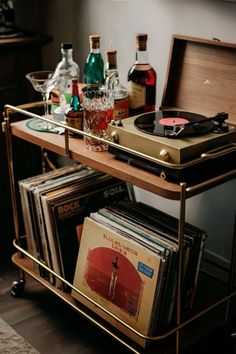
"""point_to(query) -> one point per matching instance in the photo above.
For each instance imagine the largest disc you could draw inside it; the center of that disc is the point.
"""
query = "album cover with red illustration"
(120, 275)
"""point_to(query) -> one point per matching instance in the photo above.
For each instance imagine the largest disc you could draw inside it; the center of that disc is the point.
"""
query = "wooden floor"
(52, 327)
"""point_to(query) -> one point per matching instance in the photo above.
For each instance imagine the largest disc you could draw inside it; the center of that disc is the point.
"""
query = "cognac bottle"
(141, 80)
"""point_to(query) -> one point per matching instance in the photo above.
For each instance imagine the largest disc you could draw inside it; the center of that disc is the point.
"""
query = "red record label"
(171, 121)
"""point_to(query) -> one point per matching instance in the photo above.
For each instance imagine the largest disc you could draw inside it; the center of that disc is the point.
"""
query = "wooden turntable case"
(201, 76)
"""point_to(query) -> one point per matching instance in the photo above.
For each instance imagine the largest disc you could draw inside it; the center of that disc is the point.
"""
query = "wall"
(117, 21)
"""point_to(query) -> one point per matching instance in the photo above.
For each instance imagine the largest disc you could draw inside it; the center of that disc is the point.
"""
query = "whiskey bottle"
(74, 115)
(141, 80)
(94, 66)
(121, 98)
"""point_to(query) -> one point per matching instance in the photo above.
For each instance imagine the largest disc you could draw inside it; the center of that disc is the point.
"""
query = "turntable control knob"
(164, 155)
(114, 137)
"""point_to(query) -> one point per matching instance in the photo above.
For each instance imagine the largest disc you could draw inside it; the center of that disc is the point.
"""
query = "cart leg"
(18, 286)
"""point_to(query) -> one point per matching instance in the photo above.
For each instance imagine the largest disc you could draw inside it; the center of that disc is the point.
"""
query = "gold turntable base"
(171, 150)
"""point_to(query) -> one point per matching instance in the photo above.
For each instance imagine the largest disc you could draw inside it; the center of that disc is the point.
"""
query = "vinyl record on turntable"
(173, 123)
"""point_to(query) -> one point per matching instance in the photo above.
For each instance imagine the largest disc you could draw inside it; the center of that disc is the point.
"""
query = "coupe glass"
(42, 82)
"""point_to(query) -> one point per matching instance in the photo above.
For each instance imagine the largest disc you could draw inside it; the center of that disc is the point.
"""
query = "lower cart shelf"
(26, 265)
(191, 334)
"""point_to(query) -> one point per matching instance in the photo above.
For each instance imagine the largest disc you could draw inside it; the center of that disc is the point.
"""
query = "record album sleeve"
(49, 253)
(155, 241)
(120, 275)
(63, 212)
(25, 186)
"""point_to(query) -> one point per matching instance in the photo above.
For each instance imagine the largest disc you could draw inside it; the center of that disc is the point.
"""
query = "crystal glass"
(98, 111)
(42, 82)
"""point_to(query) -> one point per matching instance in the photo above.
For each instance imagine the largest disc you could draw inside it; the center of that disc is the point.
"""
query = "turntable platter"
(173, 123)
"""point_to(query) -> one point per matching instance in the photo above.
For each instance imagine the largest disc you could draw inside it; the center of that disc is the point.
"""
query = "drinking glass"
(98, 111)
(42, 82)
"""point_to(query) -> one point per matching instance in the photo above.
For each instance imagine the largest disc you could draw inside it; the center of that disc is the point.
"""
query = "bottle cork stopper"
(141, 41)
(111, 58)
(66, 45)
(94, 41)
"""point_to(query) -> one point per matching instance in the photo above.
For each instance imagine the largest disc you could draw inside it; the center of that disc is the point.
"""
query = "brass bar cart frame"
(184, 193)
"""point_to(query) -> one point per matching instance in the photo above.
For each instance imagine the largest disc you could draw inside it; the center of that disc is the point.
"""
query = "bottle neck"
(141, 57)
(112, 74)
(111, 64)
(75, 102)
(94, 50)
(111, 79)
(75, 89)
(67, 55)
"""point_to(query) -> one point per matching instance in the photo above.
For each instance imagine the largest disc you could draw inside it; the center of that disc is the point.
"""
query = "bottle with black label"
(74, 115)
(141, 80)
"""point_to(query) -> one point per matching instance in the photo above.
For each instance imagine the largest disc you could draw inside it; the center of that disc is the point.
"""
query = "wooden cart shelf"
(105, 162)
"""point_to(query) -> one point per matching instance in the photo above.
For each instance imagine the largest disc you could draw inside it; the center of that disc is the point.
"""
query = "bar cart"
(105, 162)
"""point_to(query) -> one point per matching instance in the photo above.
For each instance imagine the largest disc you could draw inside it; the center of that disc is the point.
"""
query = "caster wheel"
(17, 288)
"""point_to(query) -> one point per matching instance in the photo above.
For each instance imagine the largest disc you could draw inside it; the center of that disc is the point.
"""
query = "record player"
(193, 135)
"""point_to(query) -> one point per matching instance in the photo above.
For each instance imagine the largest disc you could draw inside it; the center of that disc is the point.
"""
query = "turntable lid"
(201, 76)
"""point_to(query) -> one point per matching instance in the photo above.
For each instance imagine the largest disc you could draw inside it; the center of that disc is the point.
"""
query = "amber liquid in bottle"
(141, 81)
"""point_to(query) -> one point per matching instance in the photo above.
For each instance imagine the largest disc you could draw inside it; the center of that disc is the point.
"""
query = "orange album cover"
(119, 274)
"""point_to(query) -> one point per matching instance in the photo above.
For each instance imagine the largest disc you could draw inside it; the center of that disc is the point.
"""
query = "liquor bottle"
(121, 98)
(74, 115)
(66, 70)
(94, 66)
(141, 80)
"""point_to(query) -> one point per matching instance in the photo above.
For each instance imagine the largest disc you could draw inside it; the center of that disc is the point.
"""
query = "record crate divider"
(76, 150)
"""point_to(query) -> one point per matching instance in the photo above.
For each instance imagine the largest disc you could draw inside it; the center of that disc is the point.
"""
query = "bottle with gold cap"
(94, 66)
(141, 80)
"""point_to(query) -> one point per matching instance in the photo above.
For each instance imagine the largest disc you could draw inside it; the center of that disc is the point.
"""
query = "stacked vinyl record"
(54, 205)
(130, 267)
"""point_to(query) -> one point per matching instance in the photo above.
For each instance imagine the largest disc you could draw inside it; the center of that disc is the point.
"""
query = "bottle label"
(121, 108)
(75, 121)
(137, 95)
(59, 100)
